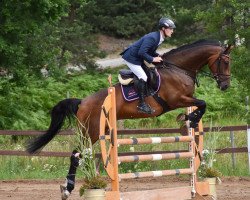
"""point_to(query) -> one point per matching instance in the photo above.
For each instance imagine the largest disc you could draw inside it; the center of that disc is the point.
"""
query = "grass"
(224, 164)
(14, 167)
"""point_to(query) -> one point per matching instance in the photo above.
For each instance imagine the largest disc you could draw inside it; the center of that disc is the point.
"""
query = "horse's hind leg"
(69, 185)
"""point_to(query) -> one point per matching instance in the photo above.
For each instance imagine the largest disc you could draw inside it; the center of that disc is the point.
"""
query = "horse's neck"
(193, 59)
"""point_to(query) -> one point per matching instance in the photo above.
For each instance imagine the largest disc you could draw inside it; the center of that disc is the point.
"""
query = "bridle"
(218, 75)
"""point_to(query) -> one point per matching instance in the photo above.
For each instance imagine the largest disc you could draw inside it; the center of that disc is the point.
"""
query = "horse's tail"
(65, 108)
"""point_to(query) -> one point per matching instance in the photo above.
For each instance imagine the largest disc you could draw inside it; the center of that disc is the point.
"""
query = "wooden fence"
(231, 129)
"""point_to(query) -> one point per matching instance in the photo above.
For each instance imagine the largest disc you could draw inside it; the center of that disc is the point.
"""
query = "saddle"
(129, 83)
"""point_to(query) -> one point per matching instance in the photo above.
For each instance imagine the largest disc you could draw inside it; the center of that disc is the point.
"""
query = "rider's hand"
(157, 59)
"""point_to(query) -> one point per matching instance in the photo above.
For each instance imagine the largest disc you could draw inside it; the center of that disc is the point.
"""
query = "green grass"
(224, 164)
(14, 167)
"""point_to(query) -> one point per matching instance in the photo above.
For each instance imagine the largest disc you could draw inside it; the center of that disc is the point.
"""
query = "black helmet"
(166, 23)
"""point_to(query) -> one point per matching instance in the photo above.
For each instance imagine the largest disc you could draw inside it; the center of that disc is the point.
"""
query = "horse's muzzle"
(223, 85)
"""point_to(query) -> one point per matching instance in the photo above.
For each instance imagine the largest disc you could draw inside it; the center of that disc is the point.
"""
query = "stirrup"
(145, 108)
(64, 192)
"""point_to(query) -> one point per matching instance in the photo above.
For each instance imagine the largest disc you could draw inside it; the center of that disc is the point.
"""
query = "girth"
(162, 102)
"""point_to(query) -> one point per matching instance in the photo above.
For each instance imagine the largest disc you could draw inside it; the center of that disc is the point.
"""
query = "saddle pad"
(130, 93)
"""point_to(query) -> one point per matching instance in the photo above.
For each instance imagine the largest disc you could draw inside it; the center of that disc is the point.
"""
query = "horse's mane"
(194, 44)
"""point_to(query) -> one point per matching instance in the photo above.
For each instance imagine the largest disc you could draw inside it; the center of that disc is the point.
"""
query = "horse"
(178, 73)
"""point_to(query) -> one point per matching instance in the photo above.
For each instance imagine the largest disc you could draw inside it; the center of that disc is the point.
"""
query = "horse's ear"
(228, 49)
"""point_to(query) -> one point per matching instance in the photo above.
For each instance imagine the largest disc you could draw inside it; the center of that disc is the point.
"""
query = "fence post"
(233, 146)
(247, 103)
(248, 147)
(248, 132)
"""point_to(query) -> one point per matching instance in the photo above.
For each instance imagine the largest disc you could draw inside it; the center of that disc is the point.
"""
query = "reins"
(189, 73)
(168, 65)
(193, 74)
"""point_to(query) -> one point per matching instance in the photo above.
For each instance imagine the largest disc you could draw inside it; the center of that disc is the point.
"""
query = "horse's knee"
(201, 104)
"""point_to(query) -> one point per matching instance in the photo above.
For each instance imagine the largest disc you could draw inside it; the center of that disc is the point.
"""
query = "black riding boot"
(142, 106)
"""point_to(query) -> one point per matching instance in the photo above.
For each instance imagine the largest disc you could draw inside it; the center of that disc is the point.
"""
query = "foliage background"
(51, 35)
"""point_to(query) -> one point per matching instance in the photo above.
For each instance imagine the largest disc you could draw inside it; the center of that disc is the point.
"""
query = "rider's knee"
(143, 77)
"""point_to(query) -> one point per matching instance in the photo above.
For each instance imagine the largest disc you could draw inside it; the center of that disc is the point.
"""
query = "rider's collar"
(161, 38)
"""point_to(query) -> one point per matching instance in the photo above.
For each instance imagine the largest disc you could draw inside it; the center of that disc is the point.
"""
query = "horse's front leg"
(196, 115)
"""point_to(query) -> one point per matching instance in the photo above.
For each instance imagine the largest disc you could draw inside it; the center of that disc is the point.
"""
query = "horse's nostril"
(224, 87)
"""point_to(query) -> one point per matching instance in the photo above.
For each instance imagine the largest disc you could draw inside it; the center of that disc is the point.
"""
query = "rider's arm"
(146, 45)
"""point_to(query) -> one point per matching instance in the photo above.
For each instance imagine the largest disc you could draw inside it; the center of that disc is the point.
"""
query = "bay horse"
(178, 74)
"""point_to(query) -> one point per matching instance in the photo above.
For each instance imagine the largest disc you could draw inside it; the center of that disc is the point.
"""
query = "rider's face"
(168, 32)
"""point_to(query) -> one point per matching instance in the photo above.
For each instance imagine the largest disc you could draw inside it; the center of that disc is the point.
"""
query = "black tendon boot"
(69, 185)
(142, 106)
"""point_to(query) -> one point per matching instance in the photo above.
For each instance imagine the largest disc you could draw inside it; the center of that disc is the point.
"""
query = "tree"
(26, 44)
(127, 19)
(43, 34)
(228, 20)
(183, 13)
(225, 19)
(77, 43)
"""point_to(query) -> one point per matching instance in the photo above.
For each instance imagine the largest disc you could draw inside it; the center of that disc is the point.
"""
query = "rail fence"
(230, 129)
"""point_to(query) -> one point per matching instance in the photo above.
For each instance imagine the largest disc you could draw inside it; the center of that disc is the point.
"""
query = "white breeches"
(137, 70)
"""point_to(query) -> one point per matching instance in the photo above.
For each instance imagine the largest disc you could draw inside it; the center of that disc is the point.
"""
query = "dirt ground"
(232, 188)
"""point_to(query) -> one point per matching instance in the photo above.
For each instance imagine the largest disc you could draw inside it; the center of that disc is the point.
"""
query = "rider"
(145, 49)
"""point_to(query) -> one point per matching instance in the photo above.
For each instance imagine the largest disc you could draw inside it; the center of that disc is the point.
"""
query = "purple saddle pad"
(130, 93)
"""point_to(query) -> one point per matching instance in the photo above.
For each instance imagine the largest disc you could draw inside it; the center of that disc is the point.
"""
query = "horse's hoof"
(64, 192)
(181, 117)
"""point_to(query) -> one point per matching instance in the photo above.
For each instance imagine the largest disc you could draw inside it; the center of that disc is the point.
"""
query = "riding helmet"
(166, 23)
